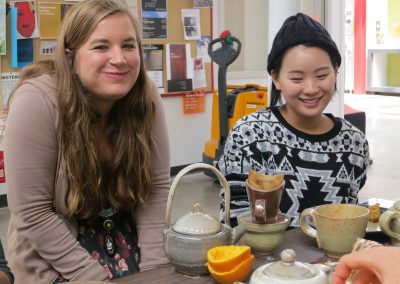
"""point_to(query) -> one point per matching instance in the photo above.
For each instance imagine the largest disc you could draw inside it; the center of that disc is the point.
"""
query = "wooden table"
(305, 247)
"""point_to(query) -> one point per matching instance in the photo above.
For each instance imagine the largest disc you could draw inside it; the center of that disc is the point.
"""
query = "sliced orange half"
(224, 258)
(238, 272)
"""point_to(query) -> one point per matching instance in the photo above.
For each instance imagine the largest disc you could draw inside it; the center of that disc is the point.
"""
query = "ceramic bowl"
(264, 238)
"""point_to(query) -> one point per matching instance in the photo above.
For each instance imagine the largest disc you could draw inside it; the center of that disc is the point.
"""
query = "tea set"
(335, 227)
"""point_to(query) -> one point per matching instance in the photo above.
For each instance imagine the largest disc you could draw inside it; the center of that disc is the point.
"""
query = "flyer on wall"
(8, 81)
(26, 19)
(191, 24)
(49, 19)
(179, 68)
(154, 19)
(202, 48)
(153, 60)
(202, 3)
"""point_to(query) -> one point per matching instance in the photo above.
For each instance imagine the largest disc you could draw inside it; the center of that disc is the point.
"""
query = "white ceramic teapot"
(188, 240)
(289, 271)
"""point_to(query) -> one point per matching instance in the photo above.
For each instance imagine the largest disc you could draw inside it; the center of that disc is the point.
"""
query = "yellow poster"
(49, 19)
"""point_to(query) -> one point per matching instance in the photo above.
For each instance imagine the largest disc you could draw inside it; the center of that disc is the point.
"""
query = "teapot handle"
(189, 168)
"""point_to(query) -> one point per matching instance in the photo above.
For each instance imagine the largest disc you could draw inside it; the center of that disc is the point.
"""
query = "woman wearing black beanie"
(324, 158)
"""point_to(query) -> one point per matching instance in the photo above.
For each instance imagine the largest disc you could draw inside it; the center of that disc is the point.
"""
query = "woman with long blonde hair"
(87, 155)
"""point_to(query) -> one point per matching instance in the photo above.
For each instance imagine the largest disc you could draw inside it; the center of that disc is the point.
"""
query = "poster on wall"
(47, 47)
(153, 60)
(202, 48)
(194, 102)
(154, 19)
(199, 73)
(179, 68)
(49, 19)
(26, 19)
(8, 81)
(191, 24)
(202, 3)
(3, 27)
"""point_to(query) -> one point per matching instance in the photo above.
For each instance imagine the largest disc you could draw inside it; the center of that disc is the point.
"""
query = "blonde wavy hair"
(128, 127)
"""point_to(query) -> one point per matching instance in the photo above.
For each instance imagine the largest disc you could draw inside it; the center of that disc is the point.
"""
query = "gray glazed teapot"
(187, 241)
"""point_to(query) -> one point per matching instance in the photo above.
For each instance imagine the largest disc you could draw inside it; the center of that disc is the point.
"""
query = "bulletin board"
(6, 59)
(175, 35)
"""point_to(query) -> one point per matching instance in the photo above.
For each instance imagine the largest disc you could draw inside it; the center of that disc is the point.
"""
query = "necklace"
(108, 224)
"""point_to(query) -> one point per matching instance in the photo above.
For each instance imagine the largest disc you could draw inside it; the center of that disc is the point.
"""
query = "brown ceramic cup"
(264, 204)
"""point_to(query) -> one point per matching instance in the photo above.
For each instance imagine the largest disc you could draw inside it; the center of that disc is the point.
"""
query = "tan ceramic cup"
(264, 204)
(337, 226)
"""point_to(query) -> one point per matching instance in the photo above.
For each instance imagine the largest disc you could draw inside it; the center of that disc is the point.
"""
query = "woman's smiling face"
(108, 63)
(306, 80)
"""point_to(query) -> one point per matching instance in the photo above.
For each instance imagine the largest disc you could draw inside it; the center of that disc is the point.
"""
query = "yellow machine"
(241, 100)
(230, 102)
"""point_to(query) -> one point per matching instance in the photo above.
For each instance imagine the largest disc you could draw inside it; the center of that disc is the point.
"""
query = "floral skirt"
(92, 236)
(126, 259)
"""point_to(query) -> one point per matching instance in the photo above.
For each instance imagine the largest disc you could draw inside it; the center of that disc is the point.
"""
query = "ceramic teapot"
(290, 271)
(389, 222)
(187, 241)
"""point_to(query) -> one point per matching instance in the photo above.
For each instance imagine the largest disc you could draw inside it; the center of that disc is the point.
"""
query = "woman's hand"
(373, 265)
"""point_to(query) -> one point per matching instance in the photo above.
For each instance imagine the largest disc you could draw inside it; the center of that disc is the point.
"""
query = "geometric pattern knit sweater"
(318, 169)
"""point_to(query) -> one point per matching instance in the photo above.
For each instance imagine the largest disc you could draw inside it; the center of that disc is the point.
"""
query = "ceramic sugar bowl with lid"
(188, 240)
(290, 271)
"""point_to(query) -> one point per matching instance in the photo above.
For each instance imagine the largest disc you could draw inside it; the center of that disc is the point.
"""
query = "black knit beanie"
(302, 29)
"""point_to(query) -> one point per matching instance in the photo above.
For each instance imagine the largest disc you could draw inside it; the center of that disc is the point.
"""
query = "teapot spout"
(237, 233)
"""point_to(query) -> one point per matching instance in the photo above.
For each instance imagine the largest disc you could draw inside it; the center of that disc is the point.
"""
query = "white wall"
(187, 133)
(277, 12)
(349, 45)
(255, 53)
(377, 10)
(334, 23)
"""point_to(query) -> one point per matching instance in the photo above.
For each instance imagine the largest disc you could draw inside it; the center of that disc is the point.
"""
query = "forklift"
(231, 102)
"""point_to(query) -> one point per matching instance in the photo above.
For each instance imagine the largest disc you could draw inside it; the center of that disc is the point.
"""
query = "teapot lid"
(289, 269)
(197, 223)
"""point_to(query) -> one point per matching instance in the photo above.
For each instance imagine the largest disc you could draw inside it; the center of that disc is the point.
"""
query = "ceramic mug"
(389, 222)
(337, 226)
(264, 204)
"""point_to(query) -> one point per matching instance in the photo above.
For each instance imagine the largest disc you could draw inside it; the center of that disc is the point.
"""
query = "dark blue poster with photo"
(25, 52)
(154, 19)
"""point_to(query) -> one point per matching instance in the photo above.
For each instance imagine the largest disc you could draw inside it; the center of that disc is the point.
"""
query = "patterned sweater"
(318, 169)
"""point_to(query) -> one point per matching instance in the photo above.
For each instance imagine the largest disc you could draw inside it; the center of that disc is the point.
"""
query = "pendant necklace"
(108, 225)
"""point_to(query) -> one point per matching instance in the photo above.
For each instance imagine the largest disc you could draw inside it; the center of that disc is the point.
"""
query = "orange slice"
(224, 258)
(238, 272)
